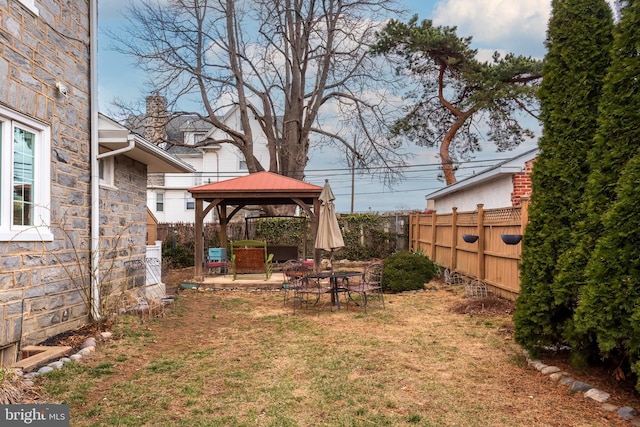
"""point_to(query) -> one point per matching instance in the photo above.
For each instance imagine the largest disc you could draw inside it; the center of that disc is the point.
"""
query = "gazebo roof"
(258, 188)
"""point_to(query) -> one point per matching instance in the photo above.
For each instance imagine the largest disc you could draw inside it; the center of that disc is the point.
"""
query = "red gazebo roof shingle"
(257, 182)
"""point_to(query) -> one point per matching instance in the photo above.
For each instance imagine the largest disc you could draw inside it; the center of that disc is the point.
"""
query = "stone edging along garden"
(564, 378)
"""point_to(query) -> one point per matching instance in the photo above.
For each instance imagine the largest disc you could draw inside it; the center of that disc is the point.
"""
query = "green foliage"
(578, 41)
(407, 271)
(284, 231)
(365, 237)
(616, 141)
(445, 63)
(609, 308)
(178, 251)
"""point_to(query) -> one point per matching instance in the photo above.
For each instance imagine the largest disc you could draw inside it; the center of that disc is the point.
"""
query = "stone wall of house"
(40, 281)
(522, 184)
(123, 232)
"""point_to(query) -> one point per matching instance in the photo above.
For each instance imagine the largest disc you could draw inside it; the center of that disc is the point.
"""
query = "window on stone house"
(25, 178)
(106, 171)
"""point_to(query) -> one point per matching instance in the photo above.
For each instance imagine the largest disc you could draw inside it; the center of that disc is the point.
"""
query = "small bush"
(407, 271)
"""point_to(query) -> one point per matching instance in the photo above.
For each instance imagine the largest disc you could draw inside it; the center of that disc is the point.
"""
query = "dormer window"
(198, 137)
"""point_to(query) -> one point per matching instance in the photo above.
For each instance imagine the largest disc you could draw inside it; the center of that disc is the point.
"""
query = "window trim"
(159, 195)
(108, 172)
(41, 230)
(30, 4)
(189, 200)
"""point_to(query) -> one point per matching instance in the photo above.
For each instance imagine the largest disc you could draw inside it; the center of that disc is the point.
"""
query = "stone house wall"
(44, 285)
(39, 294)
(123, 231)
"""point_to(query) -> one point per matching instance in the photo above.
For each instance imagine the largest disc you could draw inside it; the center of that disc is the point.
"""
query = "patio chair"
(217, 260)
(311, 292)
(293, 272)
(369, 287)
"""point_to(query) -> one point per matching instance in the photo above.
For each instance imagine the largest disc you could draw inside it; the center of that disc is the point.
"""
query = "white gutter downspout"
(95, 156)
(131, 146)
(95, 176)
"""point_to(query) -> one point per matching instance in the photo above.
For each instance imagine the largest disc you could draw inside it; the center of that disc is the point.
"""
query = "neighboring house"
(63, 212)
(167, 195)
(502, 185)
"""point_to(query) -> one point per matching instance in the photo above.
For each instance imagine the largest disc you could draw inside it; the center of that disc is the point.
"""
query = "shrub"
(407, 271)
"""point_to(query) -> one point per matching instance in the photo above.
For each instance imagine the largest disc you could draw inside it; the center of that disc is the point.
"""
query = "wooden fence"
(489, 258)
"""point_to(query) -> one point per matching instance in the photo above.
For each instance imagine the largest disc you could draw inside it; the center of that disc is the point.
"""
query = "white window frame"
(30, 4)
(159, 199)
(107, 172)
(40, 230)
(187, 200)
(242, 165)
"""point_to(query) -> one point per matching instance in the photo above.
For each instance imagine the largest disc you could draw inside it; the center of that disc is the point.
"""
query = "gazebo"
(261, 188)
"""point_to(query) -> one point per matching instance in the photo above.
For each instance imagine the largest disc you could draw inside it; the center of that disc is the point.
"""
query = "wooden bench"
(250, 256)
(282, 253)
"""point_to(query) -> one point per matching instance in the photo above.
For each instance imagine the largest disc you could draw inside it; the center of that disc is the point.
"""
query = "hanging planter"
(511, 239)
(469, 238)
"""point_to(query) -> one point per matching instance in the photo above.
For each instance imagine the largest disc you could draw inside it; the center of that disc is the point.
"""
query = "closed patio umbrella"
(329, 236)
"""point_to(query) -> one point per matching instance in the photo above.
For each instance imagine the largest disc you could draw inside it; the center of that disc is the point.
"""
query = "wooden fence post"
(454, 239)
(434, 218)
(481, 241)
(524, 214)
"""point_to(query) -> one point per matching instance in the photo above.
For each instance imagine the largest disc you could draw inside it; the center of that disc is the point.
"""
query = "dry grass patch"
(239, 358)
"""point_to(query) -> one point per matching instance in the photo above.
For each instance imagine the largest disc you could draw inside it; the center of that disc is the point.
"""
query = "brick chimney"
(522, 184)
(155, 129)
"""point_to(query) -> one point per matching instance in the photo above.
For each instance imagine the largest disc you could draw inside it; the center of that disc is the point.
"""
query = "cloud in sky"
(513, 26)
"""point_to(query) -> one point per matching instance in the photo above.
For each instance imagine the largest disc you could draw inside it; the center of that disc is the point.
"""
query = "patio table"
(335, 279)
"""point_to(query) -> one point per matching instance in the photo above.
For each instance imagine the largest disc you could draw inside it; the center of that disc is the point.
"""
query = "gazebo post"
(223, 225)
(317, 253)
(199, 240)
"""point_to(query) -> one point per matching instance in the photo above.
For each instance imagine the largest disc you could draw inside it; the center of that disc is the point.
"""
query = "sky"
(503, 25)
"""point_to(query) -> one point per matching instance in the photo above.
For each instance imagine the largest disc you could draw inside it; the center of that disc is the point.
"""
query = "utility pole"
(352, 165)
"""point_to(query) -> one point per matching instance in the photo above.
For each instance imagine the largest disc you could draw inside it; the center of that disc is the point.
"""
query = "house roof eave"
(508, 167)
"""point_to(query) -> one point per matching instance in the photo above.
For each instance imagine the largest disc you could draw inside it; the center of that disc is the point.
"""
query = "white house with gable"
(167, 195)
(502, 185)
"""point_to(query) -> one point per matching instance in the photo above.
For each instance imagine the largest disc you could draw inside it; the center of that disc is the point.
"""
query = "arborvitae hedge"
(578, 41)
(609, 309)
(606, 320)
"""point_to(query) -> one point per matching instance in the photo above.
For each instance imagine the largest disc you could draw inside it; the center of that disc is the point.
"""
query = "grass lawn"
(241, 358)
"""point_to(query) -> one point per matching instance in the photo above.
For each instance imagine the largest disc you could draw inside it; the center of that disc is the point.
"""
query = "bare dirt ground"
(499, 312)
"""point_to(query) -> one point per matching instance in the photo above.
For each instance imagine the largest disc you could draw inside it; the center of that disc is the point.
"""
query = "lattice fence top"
(503, 216)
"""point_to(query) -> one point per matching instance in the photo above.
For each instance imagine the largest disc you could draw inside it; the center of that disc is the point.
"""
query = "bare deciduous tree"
(301, 68)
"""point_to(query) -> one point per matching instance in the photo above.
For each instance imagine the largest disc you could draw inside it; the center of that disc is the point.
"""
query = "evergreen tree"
(578, 41)
(604, 314)
(609, 309)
